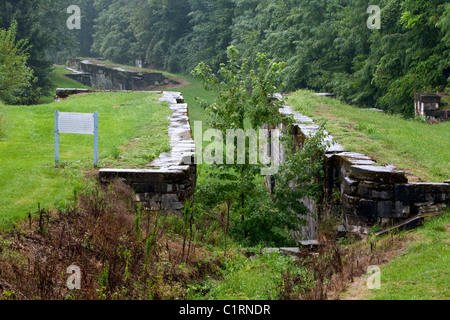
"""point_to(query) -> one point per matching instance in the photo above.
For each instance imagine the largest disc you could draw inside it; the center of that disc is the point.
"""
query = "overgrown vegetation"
(122, 252)
(244, 102)
(42, 24)
(14, 73)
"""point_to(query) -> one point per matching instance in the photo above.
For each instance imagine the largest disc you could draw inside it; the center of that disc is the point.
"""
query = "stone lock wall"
(361, 190)
(165, 190)
(371, 193)
(171, 179)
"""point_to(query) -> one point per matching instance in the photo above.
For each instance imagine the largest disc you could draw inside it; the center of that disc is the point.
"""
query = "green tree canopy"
(14, 73)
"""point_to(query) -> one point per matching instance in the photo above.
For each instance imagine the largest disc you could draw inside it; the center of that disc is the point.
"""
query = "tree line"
(325, 44)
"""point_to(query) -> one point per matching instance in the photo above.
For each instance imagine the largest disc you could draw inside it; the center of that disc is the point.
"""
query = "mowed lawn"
(412, 145)
(132, 132)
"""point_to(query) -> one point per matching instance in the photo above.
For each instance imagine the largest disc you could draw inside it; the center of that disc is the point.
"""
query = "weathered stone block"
(428, 207)
(367, 208)
(376, 173)
(423, 192)
(349, 186)
(402, 209)
(385, 209)
(149, 187)
(429, 98)
(349, 204)
(171, 202)
(431, 107)
(360, 225)
(348, 159)
(374, 190)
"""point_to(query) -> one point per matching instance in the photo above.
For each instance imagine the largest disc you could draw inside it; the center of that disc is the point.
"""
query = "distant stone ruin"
(430, 107)
(100, 76)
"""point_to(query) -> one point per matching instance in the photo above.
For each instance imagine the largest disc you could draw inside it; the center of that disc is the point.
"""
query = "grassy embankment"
(423, 270)
(132, 132)
(414, 146)
(420, 272)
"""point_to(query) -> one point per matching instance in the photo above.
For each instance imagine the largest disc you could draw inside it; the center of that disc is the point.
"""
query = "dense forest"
(325, 44)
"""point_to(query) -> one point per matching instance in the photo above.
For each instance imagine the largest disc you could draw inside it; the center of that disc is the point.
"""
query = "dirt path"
(352, 283)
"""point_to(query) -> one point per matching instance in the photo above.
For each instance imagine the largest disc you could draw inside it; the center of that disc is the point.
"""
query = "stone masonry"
(369, 193)
(170, 180)
(430, 107)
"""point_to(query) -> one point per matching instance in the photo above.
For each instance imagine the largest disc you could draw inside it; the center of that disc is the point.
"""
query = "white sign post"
(78, 123)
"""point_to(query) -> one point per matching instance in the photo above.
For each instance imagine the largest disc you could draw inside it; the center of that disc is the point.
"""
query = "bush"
(14, 74)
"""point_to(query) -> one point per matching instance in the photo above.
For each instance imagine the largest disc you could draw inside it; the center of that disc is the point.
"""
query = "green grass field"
(28, 175)
(414, 146)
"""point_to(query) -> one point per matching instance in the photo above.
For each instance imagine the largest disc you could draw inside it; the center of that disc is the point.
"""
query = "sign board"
(78, 123)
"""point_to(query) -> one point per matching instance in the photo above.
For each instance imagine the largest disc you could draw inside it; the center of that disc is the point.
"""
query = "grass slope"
(413, 146)
(420, 272)
(423, 270)
(60, 81)
(28, 175)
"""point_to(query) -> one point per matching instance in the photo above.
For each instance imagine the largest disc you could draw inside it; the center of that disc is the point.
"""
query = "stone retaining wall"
(170, 180)
(371, 193)
(368, 193)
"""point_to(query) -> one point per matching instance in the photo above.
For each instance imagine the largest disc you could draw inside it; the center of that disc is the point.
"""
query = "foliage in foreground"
(14, 73)
(123, 253)
(245, 101)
